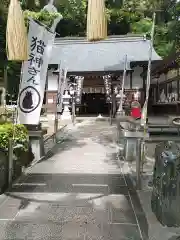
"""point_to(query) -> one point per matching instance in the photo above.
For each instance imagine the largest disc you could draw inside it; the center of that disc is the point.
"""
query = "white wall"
(162, 78)
(137, 80)
(127, 81)
(52, 82)
(154, 80)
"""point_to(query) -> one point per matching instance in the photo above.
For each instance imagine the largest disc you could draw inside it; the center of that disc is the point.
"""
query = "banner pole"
(57, 100)
(148, 81)
(120, 109)
(16, 111)
(34, 75)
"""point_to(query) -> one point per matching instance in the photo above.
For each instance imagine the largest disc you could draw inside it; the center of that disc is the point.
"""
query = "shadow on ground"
(111, 193)
(77, 206)
(66, 144)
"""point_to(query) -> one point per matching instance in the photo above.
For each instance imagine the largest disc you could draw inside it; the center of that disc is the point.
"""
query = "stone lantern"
(66, 99)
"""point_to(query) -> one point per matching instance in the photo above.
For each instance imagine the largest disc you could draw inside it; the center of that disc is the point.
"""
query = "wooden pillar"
(46, 94)
(144, 84)
(131, 79)
(157, 91)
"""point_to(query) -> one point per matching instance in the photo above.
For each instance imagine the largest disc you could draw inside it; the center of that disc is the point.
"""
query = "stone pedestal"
(37, 144)
(120, 113)
(99, 116)
(36, 141)
(66, 115)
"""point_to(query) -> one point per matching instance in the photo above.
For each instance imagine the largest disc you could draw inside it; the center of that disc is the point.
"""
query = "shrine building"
(165, 86)
(93, 60)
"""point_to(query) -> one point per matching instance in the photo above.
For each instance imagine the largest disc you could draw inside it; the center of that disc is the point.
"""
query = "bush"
(22, 151)
(17, 132)
(43, 16)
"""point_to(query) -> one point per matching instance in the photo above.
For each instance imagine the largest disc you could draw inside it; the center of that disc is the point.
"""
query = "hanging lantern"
(16, 33)
(96, 20)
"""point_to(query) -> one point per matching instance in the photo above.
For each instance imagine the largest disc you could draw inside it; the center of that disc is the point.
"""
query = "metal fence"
(10, 169)
(51, 141)
(133, 148)
(3, 171)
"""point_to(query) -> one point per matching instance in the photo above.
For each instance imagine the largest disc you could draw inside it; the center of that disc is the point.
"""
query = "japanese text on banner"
(34, 74)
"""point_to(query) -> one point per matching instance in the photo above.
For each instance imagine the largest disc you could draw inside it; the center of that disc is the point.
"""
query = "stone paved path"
(79, 193)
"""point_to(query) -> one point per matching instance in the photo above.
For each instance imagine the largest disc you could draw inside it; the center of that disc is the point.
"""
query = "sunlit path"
(78, 193)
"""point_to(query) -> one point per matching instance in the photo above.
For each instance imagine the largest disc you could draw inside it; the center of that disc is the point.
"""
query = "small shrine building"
(93, 60)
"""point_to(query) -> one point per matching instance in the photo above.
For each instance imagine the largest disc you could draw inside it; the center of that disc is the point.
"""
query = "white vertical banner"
(107, 86)
(62, 84)
(34, 73)
(79, 88)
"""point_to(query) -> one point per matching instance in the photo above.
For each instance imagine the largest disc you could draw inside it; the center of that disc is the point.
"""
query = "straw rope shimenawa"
(96, 20)
(16, 33)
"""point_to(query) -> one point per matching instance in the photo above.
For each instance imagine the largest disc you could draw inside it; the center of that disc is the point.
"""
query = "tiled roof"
(79, 55)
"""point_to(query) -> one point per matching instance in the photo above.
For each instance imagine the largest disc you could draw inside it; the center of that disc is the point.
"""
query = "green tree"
(123, 17)
(12, 68)
(3, 15)
(74, 14)
(28, 4)
(176, 26)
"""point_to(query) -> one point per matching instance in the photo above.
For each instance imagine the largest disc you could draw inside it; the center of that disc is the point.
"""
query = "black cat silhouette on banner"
(27, 102)
(34, 73)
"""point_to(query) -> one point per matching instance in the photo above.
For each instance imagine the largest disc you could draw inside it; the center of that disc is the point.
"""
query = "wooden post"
(58, 92)
(10, 161)
(138, 163)
(46, 95)
(120, 109)
(73, 110)
(148, 81)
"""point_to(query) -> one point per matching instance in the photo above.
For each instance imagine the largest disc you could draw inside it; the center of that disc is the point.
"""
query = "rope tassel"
(16, 33)
(96, 20)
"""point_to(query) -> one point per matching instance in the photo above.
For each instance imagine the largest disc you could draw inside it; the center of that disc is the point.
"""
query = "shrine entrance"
(93, 104)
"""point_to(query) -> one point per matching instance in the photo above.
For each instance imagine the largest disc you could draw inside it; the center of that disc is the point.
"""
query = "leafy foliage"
(14, 68)
(177, 27)
(22, 152)
(123, 16)
(3, 14)
(43, 16)
(74, 14)
(18, 132)
(142, 26)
